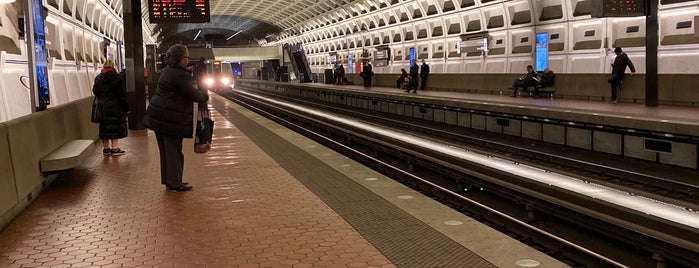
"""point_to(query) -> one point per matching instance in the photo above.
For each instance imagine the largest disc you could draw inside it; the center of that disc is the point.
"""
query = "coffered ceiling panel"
(245, 22)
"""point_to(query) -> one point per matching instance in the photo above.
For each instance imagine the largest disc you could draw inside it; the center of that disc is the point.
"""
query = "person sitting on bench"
(530, 80)
(401, 77)
(547, 78)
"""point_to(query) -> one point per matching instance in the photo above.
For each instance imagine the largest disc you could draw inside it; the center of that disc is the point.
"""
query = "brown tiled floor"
(244, 211)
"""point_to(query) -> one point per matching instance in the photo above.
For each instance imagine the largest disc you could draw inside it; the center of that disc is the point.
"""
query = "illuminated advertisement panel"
(542, 51)
(41, 55)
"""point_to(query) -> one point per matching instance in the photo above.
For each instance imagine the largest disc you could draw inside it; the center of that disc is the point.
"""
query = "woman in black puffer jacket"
(170, 115)
(111, 95)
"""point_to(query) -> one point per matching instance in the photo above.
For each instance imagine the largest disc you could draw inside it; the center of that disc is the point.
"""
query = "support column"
(133, 48)
(652, 54)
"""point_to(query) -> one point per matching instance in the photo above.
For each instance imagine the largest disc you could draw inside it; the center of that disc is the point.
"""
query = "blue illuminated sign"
(411, 56)
(542, 51)
(350, 68)
(42, 77)
(118, 51)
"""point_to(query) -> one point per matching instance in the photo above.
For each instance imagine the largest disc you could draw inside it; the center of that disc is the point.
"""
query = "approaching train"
(219, 75)
(81, 34)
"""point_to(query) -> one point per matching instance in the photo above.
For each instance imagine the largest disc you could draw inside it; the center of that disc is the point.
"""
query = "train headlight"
(225, 81)
(209, 81)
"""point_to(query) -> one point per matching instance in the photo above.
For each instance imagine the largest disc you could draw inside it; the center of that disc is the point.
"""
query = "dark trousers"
(338, 80)
(412, 85)
(615, 81)
(516, 85)
(367, 82)
(423, 82)
(171, 159)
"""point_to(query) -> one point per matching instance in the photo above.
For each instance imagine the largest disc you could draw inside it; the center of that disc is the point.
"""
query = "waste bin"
(329, 77)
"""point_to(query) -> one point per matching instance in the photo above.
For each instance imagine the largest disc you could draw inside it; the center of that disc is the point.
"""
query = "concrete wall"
(24, 141)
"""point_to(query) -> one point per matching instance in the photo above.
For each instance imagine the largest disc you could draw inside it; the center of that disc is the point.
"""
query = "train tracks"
(443, 162)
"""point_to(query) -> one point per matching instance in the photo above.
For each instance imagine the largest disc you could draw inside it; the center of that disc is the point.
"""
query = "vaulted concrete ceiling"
(251, 22)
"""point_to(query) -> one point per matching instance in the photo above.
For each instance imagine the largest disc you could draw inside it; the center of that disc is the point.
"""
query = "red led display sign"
(618, 8)
(178, 11)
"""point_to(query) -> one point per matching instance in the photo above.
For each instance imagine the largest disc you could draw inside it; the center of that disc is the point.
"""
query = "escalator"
(299, 63)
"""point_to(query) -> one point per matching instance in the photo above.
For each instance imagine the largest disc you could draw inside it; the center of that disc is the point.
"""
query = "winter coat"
(621, 62)
(414, 70)
(530, 79)
(547, 79)
(111, 95)
(424, 70)
(170, 111)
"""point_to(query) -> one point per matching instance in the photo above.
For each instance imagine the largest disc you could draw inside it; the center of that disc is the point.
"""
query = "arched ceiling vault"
(259, 21)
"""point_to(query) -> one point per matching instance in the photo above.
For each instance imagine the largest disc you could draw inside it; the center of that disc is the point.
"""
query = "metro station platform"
(662, 134)
(661, 113)
(264, 196)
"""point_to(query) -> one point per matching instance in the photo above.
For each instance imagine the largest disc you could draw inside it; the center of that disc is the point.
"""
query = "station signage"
(382, 57)
(179, 11)
(618, 8)
(382, 54)
(474, 45)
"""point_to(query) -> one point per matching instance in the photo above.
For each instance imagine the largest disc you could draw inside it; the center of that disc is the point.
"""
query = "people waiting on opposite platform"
(529, 80)
(401, 78)
(339, 74)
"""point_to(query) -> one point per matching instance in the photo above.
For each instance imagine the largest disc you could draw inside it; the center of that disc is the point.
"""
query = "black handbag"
(96, 115)
(205, 130)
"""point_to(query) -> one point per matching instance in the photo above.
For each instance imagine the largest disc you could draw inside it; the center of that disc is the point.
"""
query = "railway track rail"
(577, 229)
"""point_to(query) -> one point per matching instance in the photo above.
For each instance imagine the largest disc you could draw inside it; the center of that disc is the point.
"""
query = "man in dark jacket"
(424, 73)
(413, 77)
(170, 115)
(618, 68)
(529, 80)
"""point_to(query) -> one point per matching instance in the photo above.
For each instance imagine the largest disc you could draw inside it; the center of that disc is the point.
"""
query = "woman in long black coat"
(111, 95)
(170, 115)
(367, 74)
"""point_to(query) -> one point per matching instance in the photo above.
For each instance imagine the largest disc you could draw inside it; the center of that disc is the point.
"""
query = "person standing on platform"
(170, 115)
(367, 75)
(618, 69)
(424, 73)
(110, 91)
(339, 75)
(413, 77)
